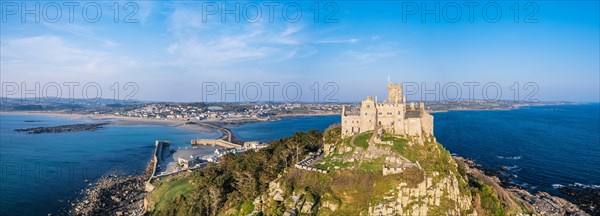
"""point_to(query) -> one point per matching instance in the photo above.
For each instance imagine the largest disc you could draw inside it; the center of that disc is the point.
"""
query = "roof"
(413, 114)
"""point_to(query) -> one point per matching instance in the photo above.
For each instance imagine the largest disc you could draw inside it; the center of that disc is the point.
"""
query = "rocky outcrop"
(541, 203)
(546, 204)
(114, 195)
(63, 128)
(423, 193)
(442, 196)
(587, 198)
(404, 176)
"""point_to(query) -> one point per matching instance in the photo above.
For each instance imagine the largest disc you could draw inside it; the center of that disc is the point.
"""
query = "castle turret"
(394, 92)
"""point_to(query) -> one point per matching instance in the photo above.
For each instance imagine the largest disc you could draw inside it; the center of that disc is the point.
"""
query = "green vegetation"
(374, 166)
(242, 209)
(489, 204)
(328, 164)
(240, 178)
(398, 143)
(352, 191)
(168, 190)
(332, 134)
(431, 155)
(362, 140)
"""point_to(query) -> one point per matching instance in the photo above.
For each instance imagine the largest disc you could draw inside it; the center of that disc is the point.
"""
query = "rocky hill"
(385, 175)
(321, 174)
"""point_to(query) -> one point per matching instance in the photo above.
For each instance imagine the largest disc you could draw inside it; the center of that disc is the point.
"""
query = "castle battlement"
(393, 115)
(389, 105)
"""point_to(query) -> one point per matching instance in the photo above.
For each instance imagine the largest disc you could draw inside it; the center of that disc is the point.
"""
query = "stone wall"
(305, 164)
(427, 123)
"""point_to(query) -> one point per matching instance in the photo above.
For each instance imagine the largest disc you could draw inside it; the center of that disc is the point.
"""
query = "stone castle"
(392, 116)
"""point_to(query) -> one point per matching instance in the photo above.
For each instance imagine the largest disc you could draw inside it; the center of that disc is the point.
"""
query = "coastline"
(118, 120)
(542, 201)
(514, 107)
(125, 120)
(196, 126)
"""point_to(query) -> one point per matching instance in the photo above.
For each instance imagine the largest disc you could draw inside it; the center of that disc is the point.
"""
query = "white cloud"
(216, 44)
(81, 31)
(336, 41)
(372, 54)
(145, 10)
(49, 57)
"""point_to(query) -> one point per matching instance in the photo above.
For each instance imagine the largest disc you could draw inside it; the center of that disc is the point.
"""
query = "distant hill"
(63, 104)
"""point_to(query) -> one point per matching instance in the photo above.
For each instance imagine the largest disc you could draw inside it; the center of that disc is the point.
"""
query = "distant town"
(228, 112)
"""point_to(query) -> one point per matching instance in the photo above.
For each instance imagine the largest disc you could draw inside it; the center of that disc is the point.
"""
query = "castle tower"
(368, 114)
(394, 92)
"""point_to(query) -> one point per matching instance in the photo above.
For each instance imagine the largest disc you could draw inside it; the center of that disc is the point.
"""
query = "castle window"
(366, 114)
(368, 106)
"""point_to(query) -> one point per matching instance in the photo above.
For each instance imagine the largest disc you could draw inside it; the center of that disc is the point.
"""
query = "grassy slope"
(167, 189)
(362, 140)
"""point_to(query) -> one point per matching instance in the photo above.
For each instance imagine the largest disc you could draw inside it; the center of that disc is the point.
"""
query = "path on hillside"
(352, 140)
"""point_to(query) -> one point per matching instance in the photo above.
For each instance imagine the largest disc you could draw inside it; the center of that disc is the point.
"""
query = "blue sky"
(172, 50)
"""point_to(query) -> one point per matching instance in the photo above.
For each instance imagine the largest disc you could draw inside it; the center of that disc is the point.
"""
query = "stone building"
(392, 115)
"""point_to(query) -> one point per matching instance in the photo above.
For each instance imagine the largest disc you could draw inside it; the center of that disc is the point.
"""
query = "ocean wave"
(592, 186)
(526, 185)
(509, 157)
(586, 186)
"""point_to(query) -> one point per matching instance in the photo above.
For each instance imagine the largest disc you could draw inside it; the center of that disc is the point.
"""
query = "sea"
(541, 148)
(265, 131)
(44, 173)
